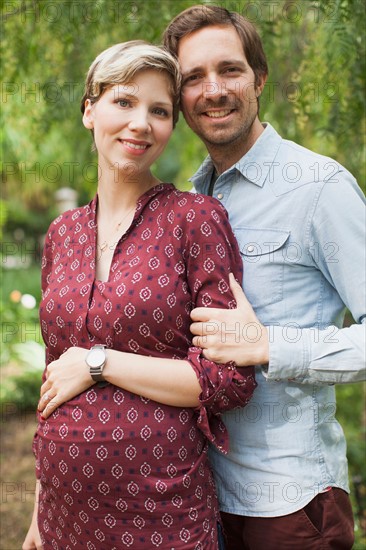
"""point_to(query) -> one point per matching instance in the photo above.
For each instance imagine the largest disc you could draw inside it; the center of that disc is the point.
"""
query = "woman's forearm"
(168, 381)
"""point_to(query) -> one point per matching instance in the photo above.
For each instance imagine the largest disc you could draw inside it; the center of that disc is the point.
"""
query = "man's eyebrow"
(224, 63)
(193, 70)
(237, 62)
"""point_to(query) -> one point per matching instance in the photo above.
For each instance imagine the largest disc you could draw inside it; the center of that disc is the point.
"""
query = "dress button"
(250, 248)
(219, 196)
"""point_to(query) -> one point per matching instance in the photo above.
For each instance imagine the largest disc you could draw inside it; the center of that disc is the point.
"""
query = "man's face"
(219, 96)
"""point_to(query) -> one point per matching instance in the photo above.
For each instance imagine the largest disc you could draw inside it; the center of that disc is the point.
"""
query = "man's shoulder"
(295, 165)
(293, 148)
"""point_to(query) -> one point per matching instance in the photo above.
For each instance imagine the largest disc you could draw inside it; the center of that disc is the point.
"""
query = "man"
(299, 221)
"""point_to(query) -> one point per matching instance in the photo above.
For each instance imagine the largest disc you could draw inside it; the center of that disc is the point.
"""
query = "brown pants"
(326, 523)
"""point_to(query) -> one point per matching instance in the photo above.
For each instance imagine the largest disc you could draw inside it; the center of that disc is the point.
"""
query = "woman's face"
(132, 123)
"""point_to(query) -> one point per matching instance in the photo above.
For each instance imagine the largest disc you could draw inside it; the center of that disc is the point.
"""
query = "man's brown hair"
(200, 16)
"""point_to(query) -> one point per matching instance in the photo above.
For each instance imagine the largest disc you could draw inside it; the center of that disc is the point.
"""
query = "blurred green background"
(315, 95)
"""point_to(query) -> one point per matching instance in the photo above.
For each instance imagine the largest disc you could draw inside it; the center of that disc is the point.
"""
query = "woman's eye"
(123, 102)
(161, 112)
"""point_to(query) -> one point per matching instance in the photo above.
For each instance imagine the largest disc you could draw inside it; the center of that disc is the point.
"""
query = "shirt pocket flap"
(257, 242)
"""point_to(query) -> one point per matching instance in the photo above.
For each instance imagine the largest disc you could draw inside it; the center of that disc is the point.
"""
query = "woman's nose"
(140, 121)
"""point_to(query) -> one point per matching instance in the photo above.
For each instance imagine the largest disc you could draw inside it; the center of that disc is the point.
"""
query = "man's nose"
(214, 88)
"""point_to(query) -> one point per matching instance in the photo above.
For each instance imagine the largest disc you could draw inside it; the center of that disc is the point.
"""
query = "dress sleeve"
(211, 254)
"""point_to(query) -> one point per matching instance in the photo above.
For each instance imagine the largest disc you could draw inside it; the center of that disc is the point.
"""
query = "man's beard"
(226, 133)
(229, 135)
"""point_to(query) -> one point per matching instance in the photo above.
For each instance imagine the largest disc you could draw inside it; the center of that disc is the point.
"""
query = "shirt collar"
(254, 165)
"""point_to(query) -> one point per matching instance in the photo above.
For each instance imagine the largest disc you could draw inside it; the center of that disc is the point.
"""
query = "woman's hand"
(32, 540)
(66, 378)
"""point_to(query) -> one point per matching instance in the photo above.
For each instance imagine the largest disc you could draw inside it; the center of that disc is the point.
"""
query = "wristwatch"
(96, 359)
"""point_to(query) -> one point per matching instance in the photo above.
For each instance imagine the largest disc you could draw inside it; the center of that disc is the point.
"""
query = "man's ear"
(260, 85)
(88, 118)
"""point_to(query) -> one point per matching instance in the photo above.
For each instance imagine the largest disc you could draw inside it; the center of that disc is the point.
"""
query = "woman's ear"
(88, 118)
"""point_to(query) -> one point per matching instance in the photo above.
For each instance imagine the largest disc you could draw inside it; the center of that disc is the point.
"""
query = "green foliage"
(19, 324)
(20, 390)
(332, 76)
(351, 415)
(3, 216)
(314, 95)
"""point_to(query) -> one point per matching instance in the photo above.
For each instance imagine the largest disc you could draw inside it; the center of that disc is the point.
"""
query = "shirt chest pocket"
(264, 253)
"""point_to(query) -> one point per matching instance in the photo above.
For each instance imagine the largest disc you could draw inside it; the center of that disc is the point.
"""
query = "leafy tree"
(315, 91)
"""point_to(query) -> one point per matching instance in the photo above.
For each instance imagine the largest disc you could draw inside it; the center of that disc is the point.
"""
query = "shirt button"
(219, 196)
(250, 248)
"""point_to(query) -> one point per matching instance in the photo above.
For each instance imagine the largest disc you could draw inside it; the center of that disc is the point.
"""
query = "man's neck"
(225, 156)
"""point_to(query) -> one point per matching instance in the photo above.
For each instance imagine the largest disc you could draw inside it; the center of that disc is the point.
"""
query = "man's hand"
(66, 378)
(231, 334)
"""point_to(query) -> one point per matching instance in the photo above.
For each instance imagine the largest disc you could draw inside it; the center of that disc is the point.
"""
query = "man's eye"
(232, 70)
(191, 78)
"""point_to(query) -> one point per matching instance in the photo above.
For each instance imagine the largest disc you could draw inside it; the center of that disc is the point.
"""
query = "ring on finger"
(46, 397)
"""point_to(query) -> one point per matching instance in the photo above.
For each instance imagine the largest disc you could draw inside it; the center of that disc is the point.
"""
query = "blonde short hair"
(119, 64)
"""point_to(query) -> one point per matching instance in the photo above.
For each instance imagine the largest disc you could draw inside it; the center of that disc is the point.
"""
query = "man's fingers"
(204, 328)
(204, 314)
(199, 341)
(196, 329)
(240, 298)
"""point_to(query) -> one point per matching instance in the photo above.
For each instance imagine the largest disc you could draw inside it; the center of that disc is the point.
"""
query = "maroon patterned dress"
(117, 470)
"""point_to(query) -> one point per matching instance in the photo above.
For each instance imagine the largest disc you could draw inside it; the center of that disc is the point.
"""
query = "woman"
(127, 405)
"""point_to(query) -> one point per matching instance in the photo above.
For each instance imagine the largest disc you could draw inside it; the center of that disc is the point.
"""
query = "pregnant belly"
(117, 467)
(107, 435)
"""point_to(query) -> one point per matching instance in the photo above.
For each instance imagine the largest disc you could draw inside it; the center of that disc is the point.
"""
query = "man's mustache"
(224, 102)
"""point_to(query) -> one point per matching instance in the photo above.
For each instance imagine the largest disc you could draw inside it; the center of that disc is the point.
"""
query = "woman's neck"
(117, 196)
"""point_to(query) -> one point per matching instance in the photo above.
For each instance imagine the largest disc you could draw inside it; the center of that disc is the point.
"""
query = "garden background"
(315, 95)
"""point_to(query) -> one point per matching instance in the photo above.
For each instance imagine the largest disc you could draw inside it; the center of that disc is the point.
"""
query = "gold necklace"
(104, 245)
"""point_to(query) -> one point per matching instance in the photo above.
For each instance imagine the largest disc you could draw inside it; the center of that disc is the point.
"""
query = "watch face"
(96, 358)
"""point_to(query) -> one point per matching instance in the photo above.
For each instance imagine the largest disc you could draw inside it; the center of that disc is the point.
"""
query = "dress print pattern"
(118, 470)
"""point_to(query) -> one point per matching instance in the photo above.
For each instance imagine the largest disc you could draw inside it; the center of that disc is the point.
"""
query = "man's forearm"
(314, 356)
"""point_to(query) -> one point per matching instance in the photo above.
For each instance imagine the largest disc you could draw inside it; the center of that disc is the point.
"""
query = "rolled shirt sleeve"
(329, 354)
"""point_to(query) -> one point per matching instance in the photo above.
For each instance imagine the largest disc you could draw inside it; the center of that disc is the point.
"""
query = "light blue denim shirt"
(299, 218)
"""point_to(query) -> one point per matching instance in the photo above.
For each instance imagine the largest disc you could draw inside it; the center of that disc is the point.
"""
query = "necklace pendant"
(103, 247)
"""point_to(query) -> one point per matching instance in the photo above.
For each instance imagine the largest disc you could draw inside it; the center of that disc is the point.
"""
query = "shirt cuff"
(288, 354)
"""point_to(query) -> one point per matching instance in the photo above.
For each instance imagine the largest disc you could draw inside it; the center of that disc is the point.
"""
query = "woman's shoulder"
(70, 218)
